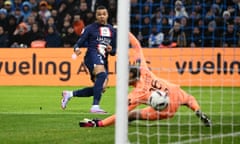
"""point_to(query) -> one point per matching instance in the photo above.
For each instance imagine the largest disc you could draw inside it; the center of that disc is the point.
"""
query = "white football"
(159, 100)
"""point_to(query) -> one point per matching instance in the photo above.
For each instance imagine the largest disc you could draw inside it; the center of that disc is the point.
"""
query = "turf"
(32, 114)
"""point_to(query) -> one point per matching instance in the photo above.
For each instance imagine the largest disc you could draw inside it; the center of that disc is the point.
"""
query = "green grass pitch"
(32, 115)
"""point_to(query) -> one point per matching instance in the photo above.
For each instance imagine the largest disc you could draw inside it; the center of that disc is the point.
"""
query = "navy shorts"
(90, 60)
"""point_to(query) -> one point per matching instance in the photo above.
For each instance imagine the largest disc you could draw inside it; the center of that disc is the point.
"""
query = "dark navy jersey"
(96, 37)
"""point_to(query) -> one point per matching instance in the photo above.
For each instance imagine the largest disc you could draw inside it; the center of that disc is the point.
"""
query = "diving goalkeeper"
(144, 82)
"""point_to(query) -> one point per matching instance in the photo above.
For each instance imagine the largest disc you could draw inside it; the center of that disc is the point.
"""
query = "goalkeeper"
(144, 82)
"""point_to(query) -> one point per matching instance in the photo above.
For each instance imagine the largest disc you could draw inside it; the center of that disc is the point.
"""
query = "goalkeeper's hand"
(89, 123)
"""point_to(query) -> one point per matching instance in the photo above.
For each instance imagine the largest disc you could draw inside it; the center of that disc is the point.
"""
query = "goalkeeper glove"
(89, 123)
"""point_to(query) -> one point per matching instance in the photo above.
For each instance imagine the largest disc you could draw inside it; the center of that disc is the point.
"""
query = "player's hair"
(101, 7)
(135, 70)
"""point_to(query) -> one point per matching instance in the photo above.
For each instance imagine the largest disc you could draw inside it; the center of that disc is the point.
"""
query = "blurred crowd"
(47, 23)
(186, 23)
(156, 23)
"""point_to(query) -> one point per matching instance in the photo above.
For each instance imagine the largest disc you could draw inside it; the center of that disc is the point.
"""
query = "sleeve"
(81, 41)
(114, 43)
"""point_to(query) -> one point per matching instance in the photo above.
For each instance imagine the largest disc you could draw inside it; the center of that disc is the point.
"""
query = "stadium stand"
(156, 23)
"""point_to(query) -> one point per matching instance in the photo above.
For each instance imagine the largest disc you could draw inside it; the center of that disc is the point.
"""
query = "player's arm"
(81, 41)
(138, 56)
(113, 44)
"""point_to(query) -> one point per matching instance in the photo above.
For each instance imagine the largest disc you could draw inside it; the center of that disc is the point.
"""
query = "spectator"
(112, 11)
(44, 13)
(17, 4)
(30, 21)
(225, 20)
(186, 27)
(38, 19)
(157, 19)
(62, 11)
(53, 4)
(18, 14)
(236, 22)
(230, 37)
(3, 18)
(35, 33)
(165, 26)
(89, 18)
(156, 38)
(234, 9)
(177, 35)
(197, 10)
(146, 30)
(26, 10)
(50, 22)
(211, 36)
(212, 13)
(70, 6)
(226, 16)
(180, 10)
(78, 24)
(20, 37)
(53, 38)
(8, 6)
(135, 17)
(64, 30)
(3, 38)
(147, 9)
(83, 10)
(70, 38)
(11, 26)
(171, 17)
(196, 38)
(34, 4)
(55, 16)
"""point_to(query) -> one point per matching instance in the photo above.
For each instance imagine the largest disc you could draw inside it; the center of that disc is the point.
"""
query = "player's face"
(102, 16)
(131, 80)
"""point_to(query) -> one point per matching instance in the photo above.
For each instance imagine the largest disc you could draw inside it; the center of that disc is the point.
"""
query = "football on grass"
(159, 100)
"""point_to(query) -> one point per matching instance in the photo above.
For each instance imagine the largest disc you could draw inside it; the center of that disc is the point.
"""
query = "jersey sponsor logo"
(105, 31)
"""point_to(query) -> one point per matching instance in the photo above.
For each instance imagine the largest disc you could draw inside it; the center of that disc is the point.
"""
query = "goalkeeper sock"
(85, 92)
(98, 87)
(99, 123)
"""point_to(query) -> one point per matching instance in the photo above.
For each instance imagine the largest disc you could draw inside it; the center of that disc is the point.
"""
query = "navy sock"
(85, 92)
(98, 87)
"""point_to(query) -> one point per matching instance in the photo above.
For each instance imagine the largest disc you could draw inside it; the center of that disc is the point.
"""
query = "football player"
(100, 38)
(144, 83)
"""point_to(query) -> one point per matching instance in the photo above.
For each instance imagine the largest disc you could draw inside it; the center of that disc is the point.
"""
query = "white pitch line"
(37, 113)
(206, 138)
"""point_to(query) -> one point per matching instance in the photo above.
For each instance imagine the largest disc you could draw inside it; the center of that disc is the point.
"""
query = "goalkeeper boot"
(66, 96)
(89, 123)
(204, 118)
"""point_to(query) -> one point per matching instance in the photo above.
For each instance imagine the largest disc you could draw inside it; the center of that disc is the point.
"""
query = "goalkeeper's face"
(134, 75)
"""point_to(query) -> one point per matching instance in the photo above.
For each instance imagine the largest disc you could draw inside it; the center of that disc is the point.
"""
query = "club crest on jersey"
(105, 32)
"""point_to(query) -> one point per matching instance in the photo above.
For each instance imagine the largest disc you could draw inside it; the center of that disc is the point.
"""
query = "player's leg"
(100, 83)
(84, 92)
(67, 95)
